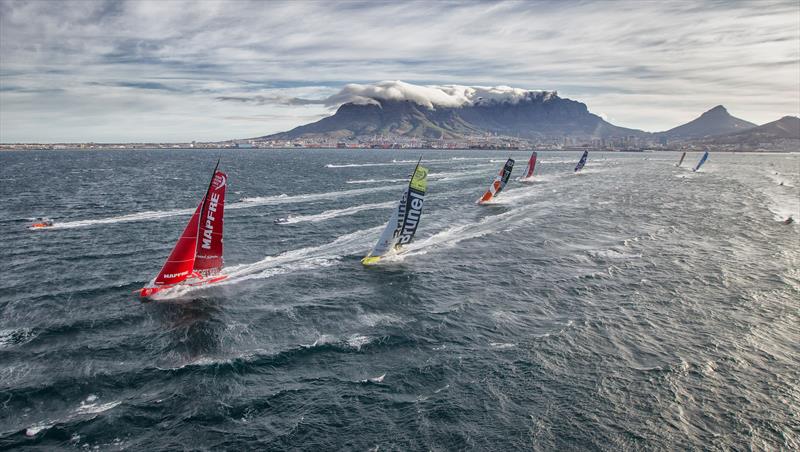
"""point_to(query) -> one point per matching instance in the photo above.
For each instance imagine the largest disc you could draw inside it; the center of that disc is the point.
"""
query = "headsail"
(180, 262)
(404, 221)
(681, 160)
(499, 182)
(208, 259)
(702, 160)
(528, 173)
(582, 161)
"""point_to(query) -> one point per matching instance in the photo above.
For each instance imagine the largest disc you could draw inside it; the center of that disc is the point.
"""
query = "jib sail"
(405, 219)
(208, 259)
(499, 182)
(702, 160)
(180, 262)
(582, 161)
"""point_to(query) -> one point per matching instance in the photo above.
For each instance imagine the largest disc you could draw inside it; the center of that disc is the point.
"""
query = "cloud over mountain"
(429, 96)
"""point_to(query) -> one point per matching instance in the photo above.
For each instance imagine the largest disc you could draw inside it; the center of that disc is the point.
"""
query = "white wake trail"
(245, 203)
(328, 214)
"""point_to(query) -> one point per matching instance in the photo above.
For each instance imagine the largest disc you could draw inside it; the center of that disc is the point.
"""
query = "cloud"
(136, 85)
(396, 90)
(429, 96)
(271, 100)
(647, 65)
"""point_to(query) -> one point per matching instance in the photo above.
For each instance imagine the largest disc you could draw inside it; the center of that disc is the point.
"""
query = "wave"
(16, 336)
(87, 409)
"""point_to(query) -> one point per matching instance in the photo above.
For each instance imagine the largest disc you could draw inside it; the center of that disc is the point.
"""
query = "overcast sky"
(175, 71)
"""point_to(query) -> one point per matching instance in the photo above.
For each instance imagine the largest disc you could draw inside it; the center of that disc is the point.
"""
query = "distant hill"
(784, 131)
(539, 114)
(716, 121)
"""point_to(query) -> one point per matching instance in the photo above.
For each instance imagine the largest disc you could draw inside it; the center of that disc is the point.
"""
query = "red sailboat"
(196, 258)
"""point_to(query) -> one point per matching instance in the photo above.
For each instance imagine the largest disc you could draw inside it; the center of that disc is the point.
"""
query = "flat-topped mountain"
(453, 112)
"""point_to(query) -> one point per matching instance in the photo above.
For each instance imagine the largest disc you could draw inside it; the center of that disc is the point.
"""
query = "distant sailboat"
(701, 162)
(527, 175)
(404, 221)
(582, 161)
(499, 182)
(196, 258)
(681, 160)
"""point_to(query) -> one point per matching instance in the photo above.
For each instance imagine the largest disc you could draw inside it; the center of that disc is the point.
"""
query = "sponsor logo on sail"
(411, 219)
(208, 230)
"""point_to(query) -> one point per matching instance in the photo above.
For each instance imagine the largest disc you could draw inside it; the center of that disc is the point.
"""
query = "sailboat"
(196, 259)
(528, 173)
(499, 182)
(681, 160)
(582, 161)
(702, 160)
(404, 221)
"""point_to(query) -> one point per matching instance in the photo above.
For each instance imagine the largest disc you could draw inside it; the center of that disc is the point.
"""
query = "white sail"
(389, 236)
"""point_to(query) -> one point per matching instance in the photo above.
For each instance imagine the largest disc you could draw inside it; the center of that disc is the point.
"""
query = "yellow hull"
(371, 260)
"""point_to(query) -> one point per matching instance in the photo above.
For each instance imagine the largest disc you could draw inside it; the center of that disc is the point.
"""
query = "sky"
(161, 71)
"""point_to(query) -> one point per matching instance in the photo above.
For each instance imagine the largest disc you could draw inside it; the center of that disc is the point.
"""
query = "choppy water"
(633, 306)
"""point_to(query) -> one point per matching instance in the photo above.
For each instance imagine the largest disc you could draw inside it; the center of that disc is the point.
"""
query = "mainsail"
(499, 182)
(582, 161)
(528, 173)
(404, 221)
(208, 259)
(681, 160)
(702, 160)
(198, 251)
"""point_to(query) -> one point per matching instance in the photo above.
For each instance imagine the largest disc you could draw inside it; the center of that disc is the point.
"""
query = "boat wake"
(373, 181)
(245, 203)
(334, 213)
(140, 216)
(398, 162)
(307, 258)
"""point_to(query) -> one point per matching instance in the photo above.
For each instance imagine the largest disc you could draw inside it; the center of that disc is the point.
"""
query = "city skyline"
(212, 71)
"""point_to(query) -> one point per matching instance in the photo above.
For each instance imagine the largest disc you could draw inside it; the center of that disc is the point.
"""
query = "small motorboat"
(41, 223)
(789, 220)
(281, 220)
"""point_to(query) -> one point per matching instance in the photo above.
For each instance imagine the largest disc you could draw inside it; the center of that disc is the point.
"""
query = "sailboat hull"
(196, 280)
(371, 260)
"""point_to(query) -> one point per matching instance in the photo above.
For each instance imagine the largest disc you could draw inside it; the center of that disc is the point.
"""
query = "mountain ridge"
(539, 117)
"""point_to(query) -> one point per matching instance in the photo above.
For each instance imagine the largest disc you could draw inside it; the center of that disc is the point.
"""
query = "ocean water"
(633, 306)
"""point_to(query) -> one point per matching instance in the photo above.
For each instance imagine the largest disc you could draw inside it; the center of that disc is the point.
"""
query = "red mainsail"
(208, 258)
(180, 262)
